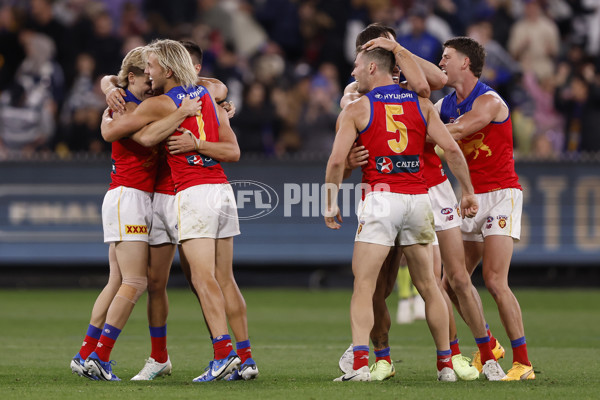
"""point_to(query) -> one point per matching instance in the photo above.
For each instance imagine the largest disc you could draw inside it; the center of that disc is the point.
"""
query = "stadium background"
(285, 63)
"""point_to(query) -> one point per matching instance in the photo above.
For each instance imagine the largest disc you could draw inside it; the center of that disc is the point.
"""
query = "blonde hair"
(133, 62)
(172, 55)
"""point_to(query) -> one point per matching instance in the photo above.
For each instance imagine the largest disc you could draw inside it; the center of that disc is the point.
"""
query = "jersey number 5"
(394, 126)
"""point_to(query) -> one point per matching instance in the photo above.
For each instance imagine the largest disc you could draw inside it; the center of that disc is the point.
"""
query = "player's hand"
(384, 43)
(229, 107)
(180, 144)
(357, 157)
(469, 206)
(190, 107)
(115, 99)
(331, 215)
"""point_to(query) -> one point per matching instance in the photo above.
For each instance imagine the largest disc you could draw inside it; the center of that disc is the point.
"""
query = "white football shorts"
(126, 215)
(499, 214)
(444, 206)
(390, 219)
(164, 220)
(207, 211)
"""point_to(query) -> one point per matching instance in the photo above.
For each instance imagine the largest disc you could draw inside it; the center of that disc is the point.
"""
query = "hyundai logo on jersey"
(397, 164)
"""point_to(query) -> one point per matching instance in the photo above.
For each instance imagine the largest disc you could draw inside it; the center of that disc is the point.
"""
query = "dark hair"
(193, 49)
(470, 48)
(374, 31)
(383, 58)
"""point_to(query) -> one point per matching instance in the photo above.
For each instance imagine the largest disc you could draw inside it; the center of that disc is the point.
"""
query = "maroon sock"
(361, 357)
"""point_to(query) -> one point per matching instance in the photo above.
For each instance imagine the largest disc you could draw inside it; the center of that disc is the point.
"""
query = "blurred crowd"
(286, 63)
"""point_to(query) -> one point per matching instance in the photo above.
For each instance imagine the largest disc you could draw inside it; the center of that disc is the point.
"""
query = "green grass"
(297, 338)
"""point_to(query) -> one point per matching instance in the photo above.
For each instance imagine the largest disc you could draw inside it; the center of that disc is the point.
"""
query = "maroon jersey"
(395, 138)
(489, 152)
(192, 168)
(133, 165)
(164, 182)
(433, 170)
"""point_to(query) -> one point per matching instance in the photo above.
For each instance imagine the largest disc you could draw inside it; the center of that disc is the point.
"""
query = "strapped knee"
(132, 288)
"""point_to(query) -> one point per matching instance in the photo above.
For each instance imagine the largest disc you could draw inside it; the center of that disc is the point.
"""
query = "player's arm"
(350, 94)
(158, 131)
(485, 110)
(344, 139)
(147, 112)
(215, 87)
(358, 155)
(225, 150)
(114, 94)
(454, 157)
(404, 59)
(434, 75)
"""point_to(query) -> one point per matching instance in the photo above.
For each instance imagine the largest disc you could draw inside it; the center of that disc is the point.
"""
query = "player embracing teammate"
(456, 276)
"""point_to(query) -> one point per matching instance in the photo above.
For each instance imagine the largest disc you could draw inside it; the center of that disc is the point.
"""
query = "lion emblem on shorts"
(475, 145)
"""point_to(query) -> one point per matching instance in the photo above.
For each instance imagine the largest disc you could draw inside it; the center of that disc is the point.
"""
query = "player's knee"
(496, 287)
(156, 283)
(460, 284)
(132, 288)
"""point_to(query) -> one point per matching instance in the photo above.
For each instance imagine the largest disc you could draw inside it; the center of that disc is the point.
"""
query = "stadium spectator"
(549, 138)
(534, 40)
(104, 44)
(11, 51)
(41, 19)
(419, 40)
(316, 126)
(306, 32)
(254, 123)
(29, 107)
(580, 101)
(281, 22)
(500, 69)
(81, 112)
(132, 22)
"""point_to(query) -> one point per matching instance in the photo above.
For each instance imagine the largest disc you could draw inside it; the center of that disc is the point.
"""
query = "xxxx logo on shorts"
(136, 229)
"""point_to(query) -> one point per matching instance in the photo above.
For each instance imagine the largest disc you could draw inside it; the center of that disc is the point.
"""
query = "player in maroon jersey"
(207, 246)
(447, 223)
(479, 119)
(392, 124)
(163, 238)
(126, 215)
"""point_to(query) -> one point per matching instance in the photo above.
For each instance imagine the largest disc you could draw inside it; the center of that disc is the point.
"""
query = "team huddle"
(170, 132)
(390, 129)
(168, 188)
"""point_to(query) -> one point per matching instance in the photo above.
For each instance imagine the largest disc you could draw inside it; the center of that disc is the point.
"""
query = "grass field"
(297, 338)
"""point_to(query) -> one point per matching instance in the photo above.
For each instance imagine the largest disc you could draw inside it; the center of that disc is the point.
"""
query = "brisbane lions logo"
(474, 145)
